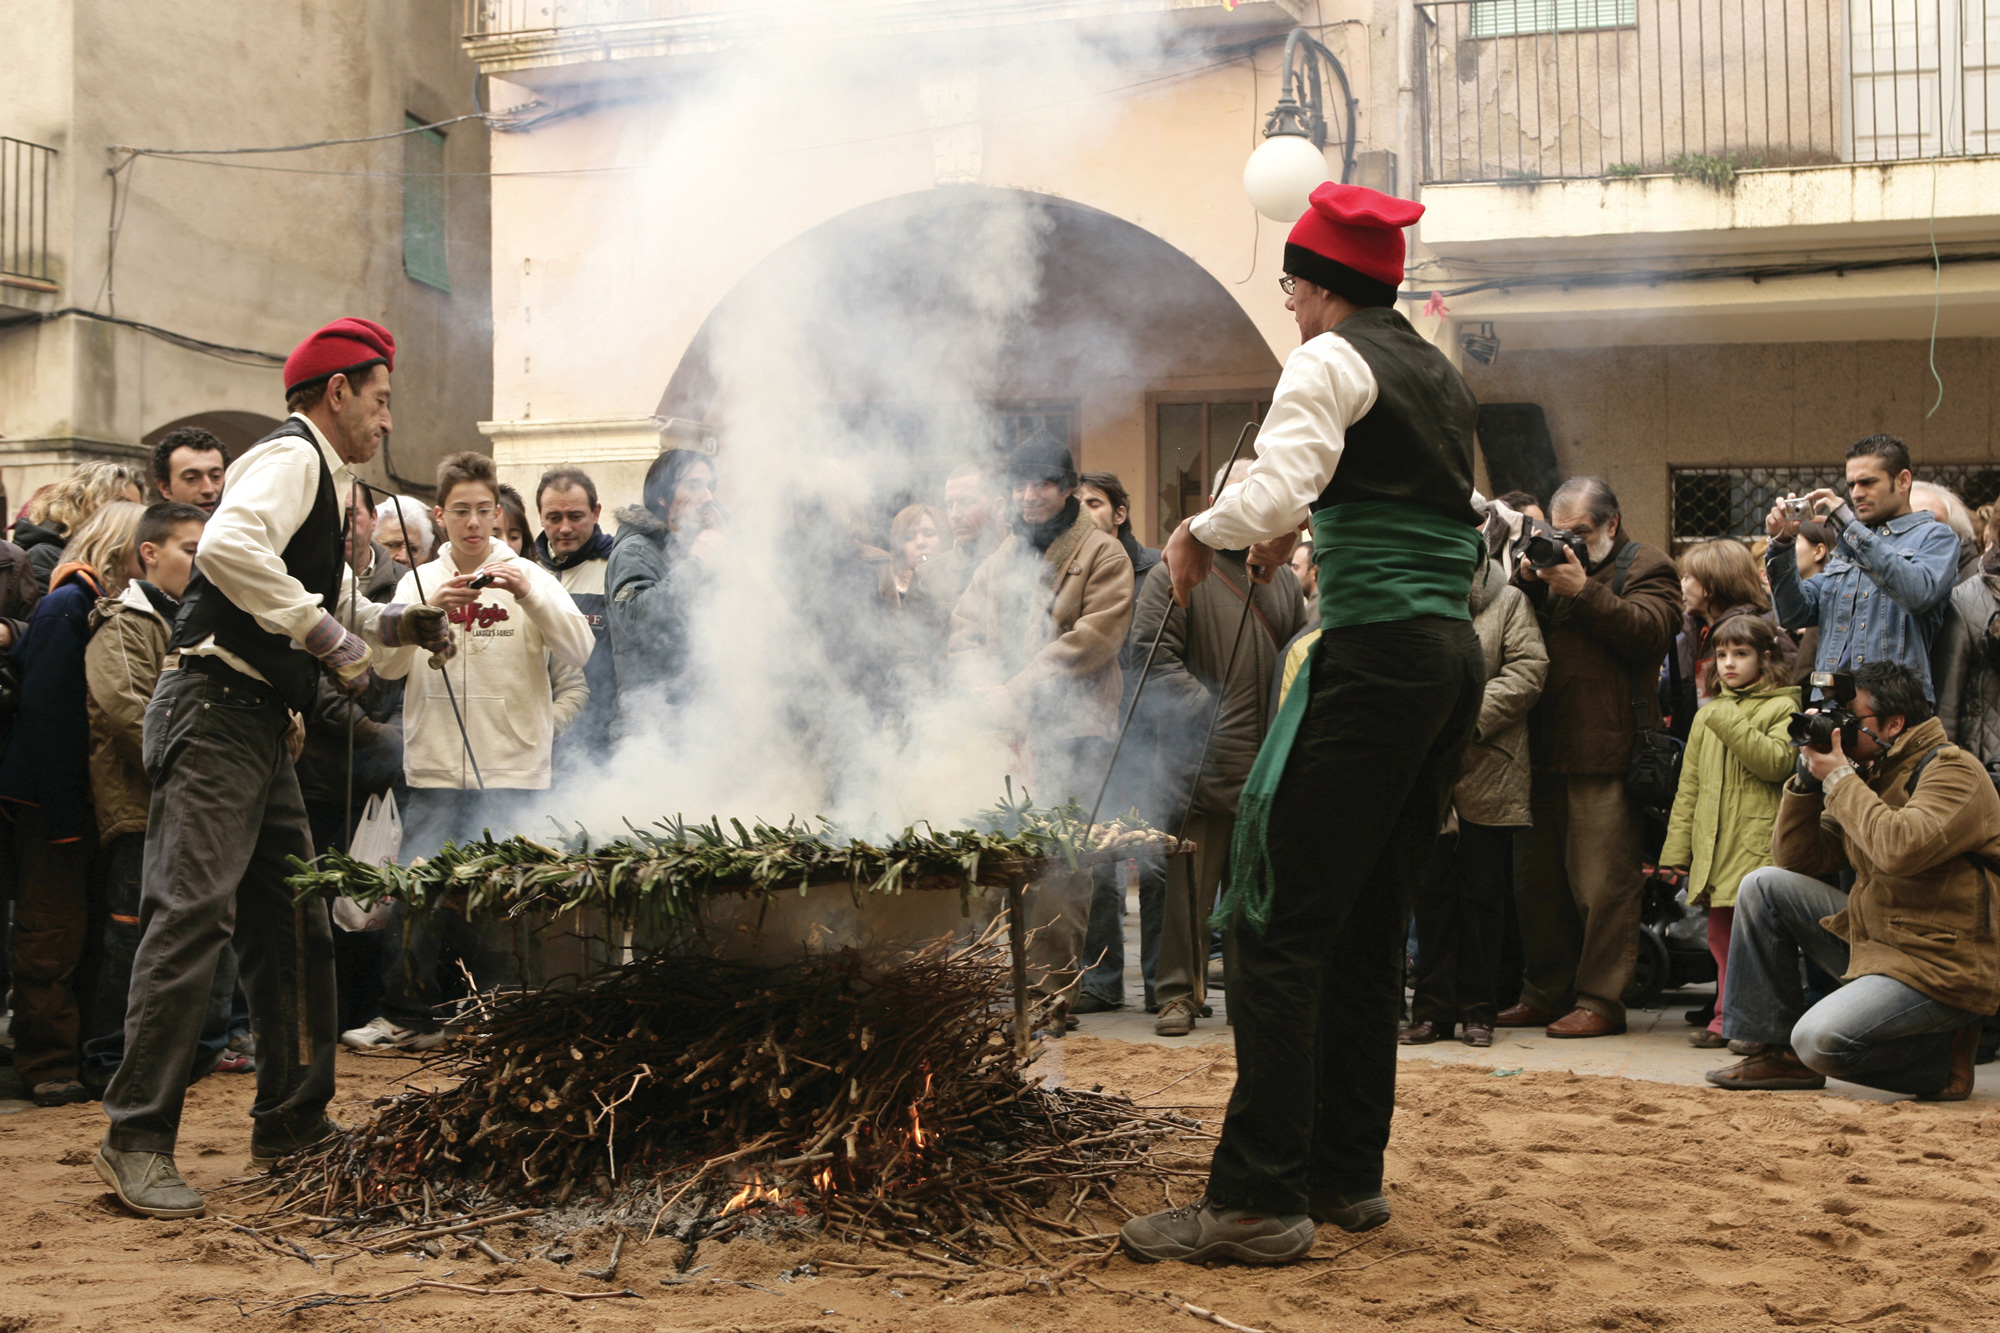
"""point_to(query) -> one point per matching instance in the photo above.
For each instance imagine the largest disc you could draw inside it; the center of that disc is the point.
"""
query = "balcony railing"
(24, 210)
(502, 18)
(1522, 90)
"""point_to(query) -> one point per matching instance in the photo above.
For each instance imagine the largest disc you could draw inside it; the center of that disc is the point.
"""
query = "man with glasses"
(1917, 821)
(1885, 588)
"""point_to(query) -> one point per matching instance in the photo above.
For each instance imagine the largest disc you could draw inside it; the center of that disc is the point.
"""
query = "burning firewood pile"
(850, 1093)
(690, 1098)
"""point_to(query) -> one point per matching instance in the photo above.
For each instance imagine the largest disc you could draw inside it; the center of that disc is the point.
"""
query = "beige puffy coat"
(1494, 787)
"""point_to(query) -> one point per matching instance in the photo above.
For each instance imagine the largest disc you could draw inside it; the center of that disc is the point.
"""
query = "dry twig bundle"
(878, 1101)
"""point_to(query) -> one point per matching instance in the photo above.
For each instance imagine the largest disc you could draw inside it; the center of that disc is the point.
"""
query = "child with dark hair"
(1738, 757)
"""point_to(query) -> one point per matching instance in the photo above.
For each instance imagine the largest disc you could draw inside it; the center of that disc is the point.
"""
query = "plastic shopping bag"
(378, 840)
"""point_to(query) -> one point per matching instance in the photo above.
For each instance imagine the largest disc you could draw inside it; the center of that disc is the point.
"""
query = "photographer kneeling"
(1918, 821)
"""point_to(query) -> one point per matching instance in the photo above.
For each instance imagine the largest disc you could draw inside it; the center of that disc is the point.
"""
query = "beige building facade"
(140, 292)
(1700, 243)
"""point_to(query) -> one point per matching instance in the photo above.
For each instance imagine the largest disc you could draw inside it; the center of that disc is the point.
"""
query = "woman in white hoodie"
(517, 674)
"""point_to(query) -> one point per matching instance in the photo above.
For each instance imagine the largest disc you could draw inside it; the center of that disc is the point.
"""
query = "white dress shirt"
(266, 497)
(1326, 387)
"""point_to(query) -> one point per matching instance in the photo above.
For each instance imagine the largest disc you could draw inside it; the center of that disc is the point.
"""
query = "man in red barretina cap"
(268, 611)
(1369, 438)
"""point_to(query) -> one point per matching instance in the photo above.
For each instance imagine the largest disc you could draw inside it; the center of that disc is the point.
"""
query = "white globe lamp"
(1282, 174)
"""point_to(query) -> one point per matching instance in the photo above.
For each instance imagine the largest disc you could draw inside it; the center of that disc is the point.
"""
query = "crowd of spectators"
(1842, 885)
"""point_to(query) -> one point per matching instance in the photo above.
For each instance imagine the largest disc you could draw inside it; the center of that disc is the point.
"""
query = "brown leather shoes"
(1775, 1069)
(1580, 1022)
(1958, 1077)
(1475, 1034)
(1421, 1034)
(1522, 1015)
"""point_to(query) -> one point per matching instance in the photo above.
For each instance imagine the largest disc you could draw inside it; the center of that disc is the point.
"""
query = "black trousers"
(1461, 925)
(226, 815)
(1315, 995)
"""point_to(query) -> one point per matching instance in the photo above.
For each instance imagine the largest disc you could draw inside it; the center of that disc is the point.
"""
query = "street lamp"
(1291, 162)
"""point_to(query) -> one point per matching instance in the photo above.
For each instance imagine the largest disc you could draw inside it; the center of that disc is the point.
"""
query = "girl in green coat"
(1738, 757)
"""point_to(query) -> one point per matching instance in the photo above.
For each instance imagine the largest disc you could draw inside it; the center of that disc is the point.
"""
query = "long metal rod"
(1146, 671)
(444, 668)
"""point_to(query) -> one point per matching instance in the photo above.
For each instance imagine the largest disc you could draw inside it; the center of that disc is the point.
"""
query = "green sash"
(1378, 561)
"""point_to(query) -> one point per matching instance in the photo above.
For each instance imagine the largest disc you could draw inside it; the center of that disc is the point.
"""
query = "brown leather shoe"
(1581, 1022)
(1421, 1034)
(1776, 1069)
(1522, 1015)
(1958, 1077)
(1475, 1034)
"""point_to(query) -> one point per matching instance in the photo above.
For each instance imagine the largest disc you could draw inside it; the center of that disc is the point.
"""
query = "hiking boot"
(1958, 1074)
(270, 1142)
(382, 1034)
(1775, 1069)
(1350, 1212)
(1176, 1018)
(60, 1092)
(147, 1183)
(1201, 1231)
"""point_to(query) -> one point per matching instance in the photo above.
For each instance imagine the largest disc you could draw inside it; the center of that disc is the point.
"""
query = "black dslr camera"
(1546, 544)
(1831, 712)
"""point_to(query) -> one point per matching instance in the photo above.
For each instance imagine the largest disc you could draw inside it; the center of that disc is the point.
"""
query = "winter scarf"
(597, 548)
(1043, 535)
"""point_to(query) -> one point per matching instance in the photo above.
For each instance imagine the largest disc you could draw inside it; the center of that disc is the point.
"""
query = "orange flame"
(750, 1196)
(823, 1180)
(916, 1124)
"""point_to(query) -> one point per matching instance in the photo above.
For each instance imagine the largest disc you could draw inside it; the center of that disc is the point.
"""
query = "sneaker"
(234, 1062)
(147, 1183)
(243, 1043)
(270, 1142)
(1350, 1212)
(1177, 1018)
(1738, 1046)
(1201, 1231)
(60, 1092)
(1703, 1039)
(380, 1034)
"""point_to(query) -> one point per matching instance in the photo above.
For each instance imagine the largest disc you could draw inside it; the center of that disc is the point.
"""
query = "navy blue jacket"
(47, 762)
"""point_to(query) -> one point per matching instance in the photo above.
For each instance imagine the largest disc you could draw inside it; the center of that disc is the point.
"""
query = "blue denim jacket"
(1883, 593)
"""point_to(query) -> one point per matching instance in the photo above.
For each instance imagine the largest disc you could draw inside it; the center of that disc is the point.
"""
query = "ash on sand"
(700, 1099)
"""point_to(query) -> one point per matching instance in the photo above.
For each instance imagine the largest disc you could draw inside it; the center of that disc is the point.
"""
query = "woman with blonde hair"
(55, 514)
(916, 537)
(1718, 580)
(45, 784)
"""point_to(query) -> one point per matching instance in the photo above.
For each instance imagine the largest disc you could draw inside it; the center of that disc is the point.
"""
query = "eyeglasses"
(1289, 285)
(461, 513)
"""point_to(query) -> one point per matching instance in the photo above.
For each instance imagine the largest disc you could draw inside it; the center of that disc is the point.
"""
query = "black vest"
(1414, 446)
(313, 556)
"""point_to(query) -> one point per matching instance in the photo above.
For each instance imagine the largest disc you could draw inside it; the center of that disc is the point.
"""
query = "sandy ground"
(1526, 1201)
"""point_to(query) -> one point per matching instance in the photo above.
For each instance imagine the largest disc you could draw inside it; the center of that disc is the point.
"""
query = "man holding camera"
(1608, 617)
(1885, 794)
(1883, 593)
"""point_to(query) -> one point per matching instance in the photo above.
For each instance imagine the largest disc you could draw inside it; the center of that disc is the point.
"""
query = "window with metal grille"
(1019, 422)
(1193, 437)
(1732, 501)
(1509, 18)
(423, 206)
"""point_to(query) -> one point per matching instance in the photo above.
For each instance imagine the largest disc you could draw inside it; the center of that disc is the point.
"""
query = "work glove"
(418, 625)
(342, 652)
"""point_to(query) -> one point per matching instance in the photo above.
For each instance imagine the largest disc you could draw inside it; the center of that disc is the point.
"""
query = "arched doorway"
(938, 325)
(237, 430)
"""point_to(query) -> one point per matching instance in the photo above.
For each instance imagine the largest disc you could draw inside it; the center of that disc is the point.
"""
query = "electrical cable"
(294, 147)
(1754, 272)
(221, 351)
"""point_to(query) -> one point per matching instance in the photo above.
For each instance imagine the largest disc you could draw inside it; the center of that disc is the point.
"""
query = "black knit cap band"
(1337, 277)
(1042, 457)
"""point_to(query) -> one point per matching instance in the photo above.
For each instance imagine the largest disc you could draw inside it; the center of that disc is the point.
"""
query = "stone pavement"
(1654, 1046)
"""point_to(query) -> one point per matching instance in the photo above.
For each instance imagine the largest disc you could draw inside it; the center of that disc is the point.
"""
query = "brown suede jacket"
(1049, 630)
(1599, 643)
(1922, 909)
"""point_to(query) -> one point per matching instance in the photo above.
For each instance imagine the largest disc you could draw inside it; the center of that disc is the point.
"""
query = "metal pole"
(1146, 671)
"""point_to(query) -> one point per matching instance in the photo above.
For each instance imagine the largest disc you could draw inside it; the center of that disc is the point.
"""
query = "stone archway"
(237, 430)
(1071, 315)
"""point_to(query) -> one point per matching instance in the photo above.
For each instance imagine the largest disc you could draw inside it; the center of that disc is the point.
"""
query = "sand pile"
(1529, 1202)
